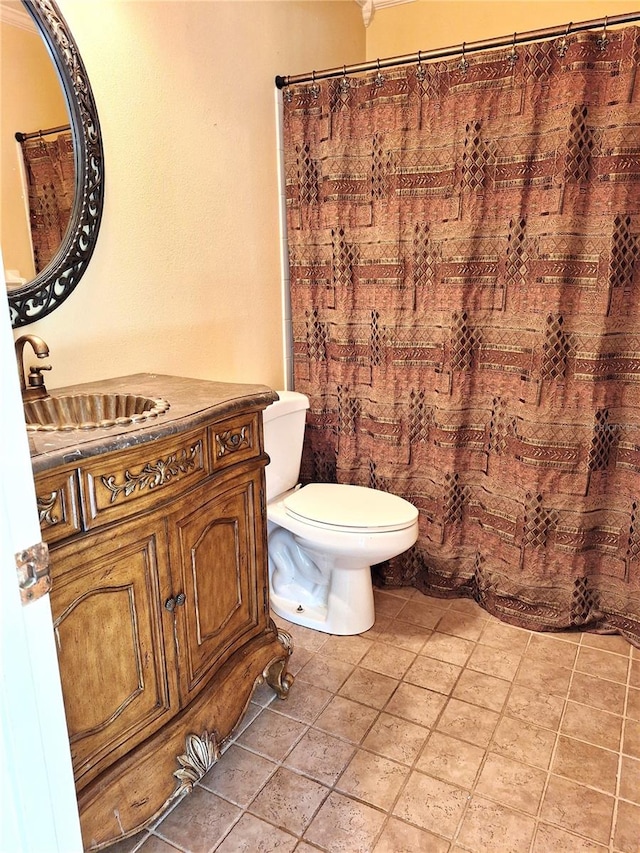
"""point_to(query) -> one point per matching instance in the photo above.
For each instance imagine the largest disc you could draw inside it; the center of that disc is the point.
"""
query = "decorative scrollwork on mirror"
(54, 284)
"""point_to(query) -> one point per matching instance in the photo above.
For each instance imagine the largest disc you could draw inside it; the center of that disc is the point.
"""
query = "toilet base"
(339, 616)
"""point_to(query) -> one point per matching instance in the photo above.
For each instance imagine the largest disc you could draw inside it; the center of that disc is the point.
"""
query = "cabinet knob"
(175, 601)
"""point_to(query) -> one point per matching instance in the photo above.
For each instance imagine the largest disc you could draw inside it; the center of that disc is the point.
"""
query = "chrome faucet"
(36, 389)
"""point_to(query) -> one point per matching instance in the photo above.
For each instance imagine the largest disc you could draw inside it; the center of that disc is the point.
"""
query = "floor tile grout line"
(556, 744)
(279, 764)
(472, 789)
(389, 813)
(331, 788)
(501, 678)
(623, 716)
(548, 772)
(502, 714)
(433, 728)
(616, 805)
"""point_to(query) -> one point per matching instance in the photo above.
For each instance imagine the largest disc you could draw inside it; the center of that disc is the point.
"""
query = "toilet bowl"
(324, 537)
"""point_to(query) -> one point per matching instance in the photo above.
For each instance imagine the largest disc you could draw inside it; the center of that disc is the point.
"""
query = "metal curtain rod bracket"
(22, 137)
(469, 47)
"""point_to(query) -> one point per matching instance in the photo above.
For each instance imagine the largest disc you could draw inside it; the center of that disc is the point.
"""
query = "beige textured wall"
(185, 278)
(430, 24)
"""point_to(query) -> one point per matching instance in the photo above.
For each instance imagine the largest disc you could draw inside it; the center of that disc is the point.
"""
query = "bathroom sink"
(90, 411)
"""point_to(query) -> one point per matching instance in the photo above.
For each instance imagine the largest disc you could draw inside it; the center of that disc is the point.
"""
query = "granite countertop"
(192, 401)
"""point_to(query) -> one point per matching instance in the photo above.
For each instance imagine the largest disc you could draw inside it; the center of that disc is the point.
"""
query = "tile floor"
(440, 730)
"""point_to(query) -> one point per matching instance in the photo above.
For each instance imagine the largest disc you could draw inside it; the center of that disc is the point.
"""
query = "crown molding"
(15, 16)
(369, 7)
(382, 4)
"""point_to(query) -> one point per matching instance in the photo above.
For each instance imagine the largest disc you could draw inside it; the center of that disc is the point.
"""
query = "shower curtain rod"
(22, 137)
(464, 48)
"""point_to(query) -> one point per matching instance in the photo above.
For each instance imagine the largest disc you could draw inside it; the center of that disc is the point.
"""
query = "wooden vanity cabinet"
(161, 614)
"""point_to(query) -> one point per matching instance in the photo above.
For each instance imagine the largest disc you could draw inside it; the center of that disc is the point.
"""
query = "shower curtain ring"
(463, 65)
(513, 56)
(287, 94)
(379, 81)
(602, 41)
(562, 44)
(420, 72)
(315, 89)
(345, 85)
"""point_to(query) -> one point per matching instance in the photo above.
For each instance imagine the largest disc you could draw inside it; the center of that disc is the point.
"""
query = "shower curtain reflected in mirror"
(50, 175)
(464, 244)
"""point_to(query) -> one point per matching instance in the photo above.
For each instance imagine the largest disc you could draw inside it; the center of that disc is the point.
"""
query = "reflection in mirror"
(41, 273)
(49, 170)
(32, 103)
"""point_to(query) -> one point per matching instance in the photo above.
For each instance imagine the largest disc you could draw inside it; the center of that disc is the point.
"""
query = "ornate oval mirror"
(50, 287)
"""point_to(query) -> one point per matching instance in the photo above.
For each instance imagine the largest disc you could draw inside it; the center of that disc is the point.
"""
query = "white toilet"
(324, 537)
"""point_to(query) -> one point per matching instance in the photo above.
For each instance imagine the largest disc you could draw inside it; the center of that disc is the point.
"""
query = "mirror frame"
(53, 285)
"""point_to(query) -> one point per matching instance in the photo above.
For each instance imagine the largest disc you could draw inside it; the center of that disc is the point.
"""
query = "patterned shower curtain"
(50, 171)
(464, 243)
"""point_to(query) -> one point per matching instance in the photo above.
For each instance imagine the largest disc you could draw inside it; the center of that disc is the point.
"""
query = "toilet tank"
(284, 423)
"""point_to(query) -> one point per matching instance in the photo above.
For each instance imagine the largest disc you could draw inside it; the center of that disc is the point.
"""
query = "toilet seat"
(351, 509)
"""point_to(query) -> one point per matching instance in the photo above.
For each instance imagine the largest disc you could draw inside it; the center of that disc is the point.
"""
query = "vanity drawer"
(118, 484)
(58, 505)
(234, 440)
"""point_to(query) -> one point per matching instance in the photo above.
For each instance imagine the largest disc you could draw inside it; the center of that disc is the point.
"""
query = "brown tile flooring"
(441, 729)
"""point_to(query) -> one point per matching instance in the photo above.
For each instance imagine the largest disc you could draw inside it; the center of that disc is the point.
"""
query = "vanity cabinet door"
(116, 657)
(217, 563)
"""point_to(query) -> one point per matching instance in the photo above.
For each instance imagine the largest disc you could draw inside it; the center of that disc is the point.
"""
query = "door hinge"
(32, 567)
(265, 598)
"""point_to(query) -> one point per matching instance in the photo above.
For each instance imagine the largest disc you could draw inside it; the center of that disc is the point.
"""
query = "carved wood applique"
(232, 440)
(201, 754)
(45, 507)
(155, 474)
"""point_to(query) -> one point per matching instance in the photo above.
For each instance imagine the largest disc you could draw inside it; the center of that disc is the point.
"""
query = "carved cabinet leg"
(278, 678)
(276, 674)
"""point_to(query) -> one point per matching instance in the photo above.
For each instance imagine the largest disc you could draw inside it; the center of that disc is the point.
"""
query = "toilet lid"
(350, 508)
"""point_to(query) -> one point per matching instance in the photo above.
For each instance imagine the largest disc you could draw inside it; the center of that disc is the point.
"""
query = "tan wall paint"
(430, 24)
(185, 278)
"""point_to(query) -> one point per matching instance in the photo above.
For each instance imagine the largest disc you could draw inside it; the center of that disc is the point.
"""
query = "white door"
(38, 809)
